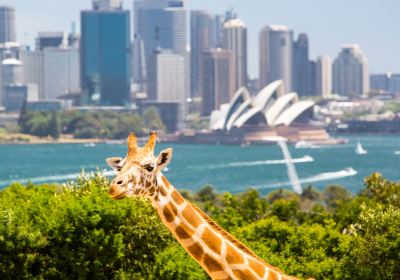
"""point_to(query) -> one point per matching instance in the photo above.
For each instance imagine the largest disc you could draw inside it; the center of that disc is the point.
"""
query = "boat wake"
(262, 162)
(347, 172)
(54, 178)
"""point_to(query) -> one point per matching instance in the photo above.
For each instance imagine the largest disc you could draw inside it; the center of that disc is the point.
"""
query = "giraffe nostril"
(119, 182)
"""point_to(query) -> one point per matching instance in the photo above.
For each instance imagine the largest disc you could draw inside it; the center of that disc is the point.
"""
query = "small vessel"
(360, 150)
(89, 145)
(397, 153)
(305, 145)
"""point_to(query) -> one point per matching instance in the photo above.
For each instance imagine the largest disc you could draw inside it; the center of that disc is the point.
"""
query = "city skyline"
(355, 25)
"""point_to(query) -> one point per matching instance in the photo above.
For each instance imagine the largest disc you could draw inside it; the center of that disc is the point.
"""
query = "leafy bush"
(77, 231)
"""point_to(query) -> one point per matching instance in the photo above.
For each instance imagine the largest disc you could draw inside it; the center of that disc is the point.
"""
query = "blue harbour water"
(227, 168)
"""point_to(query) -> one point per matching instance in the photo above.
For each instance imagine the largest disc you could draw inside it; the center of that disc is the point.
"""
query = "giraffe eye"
(149, 167)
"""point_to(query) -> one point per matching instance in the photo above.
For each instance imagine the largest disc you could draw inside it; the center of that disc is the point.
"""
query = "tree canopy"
(77, 231)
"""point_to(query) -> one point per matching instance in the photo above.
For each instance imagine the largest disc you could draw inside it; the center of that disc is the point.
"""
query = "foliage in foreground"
(50, 231)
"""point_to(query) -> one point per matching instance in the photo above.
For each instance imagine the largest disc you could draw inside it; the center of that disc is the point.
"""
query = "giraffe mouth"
(117, 193)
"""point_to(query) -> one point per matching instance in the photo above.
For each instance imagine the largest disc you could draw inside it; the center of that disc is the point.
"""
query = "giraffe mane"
(225, 234)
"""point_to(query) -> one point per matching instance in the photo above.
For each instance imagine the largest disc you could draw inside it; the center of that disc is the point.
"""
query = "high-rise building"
(7, 24)
(276, 55)
(301, 66)
(170, 81)
(61, 72)
(350, 72)
(105, 54)
(217, 28)
(11, 73)
(201, 39)
(16, 94)
(235, 39)
(219, 83)
(9, 50)
(51, 40)
(107, 4)
(34, 69)
(170, 69)
(385, 83)
(157, 24)
(323, 76)
(55, 71)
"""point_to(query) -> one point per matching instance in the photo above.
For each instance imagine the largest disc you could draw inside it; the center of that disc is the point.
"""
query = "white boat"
(360, 150)
(89, 145)
(397, 153)
(305, 145)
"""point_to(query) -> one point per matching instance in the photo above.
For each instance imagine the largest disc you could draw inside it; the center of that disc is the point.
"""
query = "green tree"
(152, 120)
(23, 118)
(54, 126)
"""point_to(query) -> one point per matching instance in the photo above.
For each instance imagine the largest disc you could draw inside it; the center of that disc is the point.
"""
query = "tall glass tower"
(7, 24)
(158, 24)
(105, 54)
(276, 55)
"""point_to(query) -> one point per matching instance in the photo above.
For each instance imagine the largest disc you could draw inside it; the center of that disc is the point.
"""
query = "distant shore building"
(55, 71)
(350, 72)
(12, 72)
(105, 54)
(201, 39)
(235, 39)
(7, 24)
(323, 76)
(158, 24)
(276, 55)
(388, 83)
(302, 83)
(51, 40)
(218, 80)
(16, 94)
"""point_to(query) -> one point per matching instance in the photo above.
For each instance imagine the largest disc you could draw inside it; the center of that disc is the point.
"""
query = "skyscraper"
(350, 72)
(235, 39)
(105, 54)
(157, 24)
(11, 73)
(201, 39)
(218, 80)
(301, 66)
(51, 40)
(385, 83)
(7, 24)
(276, 55)
(323, 76)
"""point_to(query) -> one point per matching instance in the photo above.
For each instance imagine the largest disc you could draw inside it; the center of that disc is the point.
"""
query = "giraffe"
(220, 254)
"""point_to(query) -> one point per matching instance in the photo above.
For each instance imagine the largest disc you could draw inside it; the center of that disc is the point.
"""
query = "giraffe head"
(137, 172)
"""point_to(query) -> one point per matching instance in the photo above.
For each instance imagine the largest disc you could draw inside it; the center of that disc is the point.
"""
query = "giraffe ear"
(164, 158)
(113, 162)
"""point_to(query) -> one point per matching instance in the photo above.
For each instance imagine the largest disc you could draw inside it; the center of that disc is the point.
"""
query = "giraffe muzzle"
(116, 192)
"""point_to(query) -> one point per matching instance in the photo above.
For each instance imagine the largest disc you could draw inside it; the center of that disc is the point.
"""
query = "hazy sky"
(374, 24)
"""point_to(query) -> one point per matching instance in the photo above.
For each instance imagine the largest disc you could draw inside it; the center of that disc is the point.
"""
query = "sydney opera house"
(269, 115)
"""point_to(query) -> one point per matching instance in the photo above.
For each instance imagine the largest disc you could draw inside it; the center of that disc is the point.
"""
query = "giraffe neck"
(220, 254)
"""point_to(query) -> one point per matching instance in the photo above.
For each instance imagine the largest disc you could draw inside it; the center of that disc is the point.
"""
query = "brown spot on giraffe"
(183, 231)
(257, 267)
(244, 274)
(233, 256)
(177, 198)
(212, 264)
(165, 181)
(163, 191)
(211, 240)
(196, 250)
(191, 215)
(169, 213)
(273, 275)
